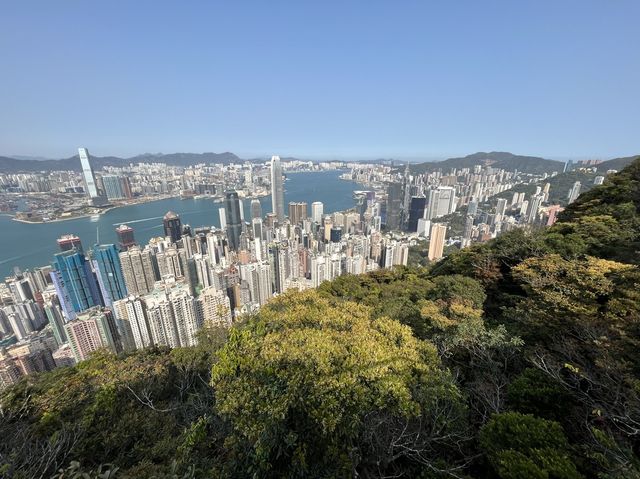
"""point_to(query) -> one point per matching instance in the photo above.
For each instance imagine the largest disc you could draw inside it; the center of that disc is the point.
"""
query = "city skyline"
(415, 80)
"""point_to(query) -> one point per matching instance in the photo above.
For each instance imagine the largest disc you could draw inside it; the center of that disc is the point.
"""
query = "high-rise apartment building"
(574, 192)
(277, 189)
(138, 270)
(214, 307)
(92, 330)
(436, 241)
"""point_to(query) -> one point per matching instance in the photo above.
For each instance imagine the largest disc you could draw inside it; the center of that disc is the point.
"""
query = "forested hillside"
(518, 358)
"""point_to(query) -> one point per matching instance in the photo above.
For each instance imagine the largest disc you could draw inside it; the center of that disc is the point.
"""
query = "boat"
(94, 218)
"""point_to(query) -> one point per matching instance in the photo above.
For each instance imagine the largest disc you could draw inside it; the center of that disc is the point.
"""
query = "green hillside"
(517, 358)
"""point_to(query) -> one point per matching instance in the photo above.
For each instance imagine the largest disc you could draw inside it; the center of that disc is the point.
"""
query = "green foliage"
(521, 445)
(305, 379)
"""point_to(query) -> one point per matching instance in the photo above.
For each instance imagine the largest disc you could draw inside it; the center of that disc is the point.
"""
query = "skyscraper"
(317, 210)
(69, 242)
(574, 192)
(74, 281)
(277, 188)
(256, 208)
(138, 270)
(172, 226)
(297, 212)
(112, 187)
(394, 206)
(87, 173)
(436, 241)
(416, 211)
(106, 262)
(233, 219)
(125, 237)
(92, 330)
(442, 201)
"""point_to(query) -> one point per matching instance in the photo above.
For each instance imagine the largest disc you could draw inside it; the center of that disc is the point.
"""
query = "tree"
(317, 389)
(521, 445)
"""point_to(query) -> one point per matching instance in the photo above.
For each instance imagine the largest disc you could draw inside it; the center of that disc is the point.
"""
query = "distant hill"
(616, 163)
(496, 159)
(12, 165)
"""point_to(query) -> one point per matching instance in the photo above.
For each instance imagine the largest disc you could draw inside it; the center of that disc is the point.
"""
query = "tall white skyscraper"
(87, 173)
(277, 189)
(317, 210)
(574, 192)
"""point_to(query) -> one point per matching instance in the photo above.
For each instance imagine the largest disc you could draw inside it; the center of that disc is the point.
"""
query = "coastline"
(89, 215)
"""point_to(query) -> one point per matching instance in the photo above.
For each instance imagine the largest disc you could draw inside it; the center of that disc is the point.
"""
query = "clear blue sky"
(401, 79)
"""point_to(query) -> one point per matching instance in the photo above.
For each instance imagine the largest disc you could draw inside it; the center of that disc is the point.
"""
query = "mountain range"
(497, 159)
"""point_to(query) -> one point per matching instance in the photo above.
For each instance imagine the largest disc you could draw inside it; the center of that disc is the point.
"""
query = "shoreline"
(102, 212)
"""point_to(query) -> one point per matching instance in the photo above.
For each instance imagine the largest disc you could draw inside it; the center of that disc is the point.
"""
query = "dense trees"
(512, 359)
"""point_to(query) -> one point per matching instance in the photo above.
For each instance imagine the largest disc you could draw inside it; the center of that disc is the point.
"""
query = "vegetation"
(517, 358)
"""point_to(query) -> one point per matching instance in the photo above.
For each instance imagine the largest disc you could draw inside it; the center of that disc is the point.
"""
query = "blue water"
(31, 245)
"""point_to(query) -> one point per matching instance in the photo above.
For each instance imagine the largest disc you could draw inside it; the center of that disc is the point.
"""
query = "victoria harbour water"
(30, 245)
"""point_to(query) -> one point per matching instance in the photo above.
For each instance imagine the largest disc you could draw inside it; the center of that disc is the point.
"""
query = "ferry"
(94, 218)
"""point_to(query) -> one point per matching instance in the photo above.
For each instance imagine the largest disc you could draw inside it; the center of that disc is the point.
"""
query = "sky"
(321, 80)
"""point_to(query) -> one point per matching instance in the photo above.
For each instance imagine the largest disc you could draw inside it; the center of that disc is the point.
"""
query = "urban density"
(124, 295)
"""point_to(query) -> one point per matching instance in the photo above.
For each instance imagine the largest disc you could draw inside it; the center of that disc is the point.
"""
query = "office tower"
(277, 189)
(256, 208)
(113, 187)
(234, 221)
(416, 212)
(125, 237)
(223, 218)
(256, 224)
(214, 307)
(574, 192)
(74, 281)
(317, 210)
(406, 198)
(436, 241)
(69, 242)
(138, 270)
(106, 262)
(87, 173)
(132, 312)
(394, 206)
(297, 212)
(501, 206)
(172, 226)
(336, 234)
(442, 201)
(92, 330)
